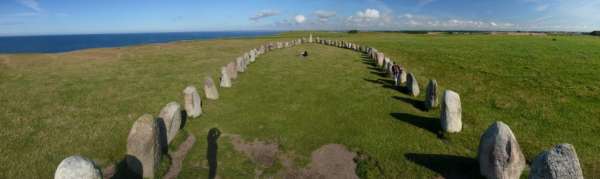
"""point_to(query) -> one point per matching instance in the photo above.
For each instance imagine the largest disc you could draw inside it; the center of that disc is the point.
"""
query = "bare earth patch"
(329, 161)
(178, 157)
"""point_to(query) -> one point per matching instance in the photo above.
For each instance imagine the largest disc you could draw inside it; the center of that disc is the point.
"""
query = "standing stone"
(225, 80)
(192, 102)
(386, 62)
(231, 70)
(239, 64)
(451, 112)
(499, 153)
(210, 90)
(171, 116)
(77, 167)
(431, 95)
(143, 147)
(559, 162)
(412, 85)
(310, 39)
(402, 76)
(380, 59)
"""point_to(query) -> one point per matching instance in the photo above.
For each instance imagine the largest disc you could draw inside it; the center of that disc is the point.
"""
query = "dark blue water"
(64, 43)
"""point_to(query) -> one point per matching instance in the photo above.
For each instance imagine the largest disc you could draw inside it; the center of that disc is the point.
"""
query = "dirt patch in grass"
(178, 156)
(329, 161)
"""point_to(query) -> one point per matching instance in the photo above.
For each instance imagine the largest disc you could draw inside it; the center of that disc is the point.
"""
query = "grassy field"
(547, 91)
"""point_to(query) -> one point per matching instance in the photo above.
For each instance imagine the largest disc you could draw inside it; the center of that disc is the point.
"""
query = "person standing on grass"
(396, 70)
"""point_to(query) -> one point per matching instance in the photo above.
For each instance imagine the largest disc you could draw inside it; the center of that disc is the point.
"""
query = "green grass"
(548, 92)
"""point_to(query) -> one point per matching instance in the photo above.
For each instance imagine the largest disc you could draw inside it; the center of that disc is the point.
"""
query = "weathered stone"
(225, 80)
(431, 100)
(143, 147)
(171, 116)
(192, 102)
(451, 112)
(77, 167)
(231, 70)
(239, 64)
(386, 62)
(403, 75)
(558, 162)
(380, 59)
(310, 39)
(210, 90)
(412, 85)
(499, 153)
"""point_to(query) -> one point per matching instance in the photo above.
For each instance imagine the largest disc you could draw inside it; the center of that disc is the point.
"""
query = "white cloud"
(32, 4)
(368, 14)
(264, 14)
(324, 15)
(542, 7)
(300, 19)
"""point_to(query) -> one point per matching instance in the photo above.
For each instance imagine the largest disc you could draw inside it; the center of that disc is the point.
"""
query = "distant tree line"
(353, 31)
(596, 33)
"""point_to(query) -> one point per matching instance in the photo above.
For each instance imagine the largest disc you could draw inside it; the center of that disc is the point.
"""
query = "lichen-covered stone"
(77, 167)
(451, 112)
(192, 101)
(210, 90)
(143, 146)
(560, 162)
(412, 85)
(499, 154)
(171, 115)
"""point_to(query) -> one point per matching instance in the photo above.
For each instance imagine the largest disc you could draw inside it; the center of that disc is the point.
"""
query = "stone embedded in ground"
(77, 167)
(143, 147)
(210, 90)
(380, 58)
(171, 115)
(431, 95)
(192, 101)
(239, 64)
(412, 85)
(231, 70)
(225, 80)
(499, 153)
(451, 112)
(558, 162)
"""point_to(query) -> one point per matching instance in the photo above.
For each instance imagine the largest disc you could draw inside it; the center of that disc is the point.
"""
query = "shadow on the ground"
(430, 124)
(447, 166)
(211, 152)
(415, 103)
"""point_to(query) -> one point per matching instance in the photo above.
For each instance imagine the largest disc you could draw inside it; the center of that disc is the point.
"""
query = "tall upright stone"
(451, 112)
(239, 64)
(171, 116)
(231, 70)
(143, 147)
(77, 167)
(380, 59)
(431, 100)
(403, 75)
(210, 90)
(310, 39)
(412, 85)
(225, 80)
(499, 154)
(192, 102)
(560, 162)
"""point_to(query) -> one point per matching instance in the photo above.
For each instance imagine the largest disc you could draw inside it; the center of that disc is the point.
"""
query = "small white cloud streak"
(264, 14)
(299, 19)
(32, 4)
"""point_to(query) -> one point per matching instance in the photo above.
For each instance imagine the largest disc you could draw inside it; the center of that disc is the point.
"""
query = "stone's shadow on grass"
(123, 171)
(388, 84)
(211, 152)
(448, 166)
(162, 136)
(184, 118)
(415, 103)
(430, 124)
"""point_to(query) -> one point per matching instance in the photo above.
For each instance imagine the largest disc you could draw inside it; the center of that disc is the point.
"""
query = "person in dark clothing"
(304, 54)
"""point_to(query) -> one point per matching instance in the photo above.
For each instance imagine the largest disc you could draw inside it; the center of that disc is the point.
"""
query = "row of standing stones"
(149, 137)
(499, 154)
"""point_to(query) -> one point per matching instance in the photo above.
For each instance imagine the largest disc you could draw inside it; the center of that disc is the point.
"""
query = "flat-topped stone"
(451, 112)
(77, 167)
(192, 102)
(143, 148)
(171, 116)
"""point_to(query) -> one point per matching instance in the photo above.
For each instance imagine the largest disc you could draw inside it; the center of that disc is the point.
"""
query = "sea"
(66, 43)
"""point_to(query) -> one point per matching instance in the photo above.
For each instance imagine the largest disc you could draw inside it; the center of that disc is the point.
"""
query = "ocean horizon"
(66, 43)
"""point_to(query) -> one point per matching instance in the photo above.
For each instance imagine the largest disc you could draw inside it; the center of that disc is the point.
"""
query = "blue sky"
(34, 17)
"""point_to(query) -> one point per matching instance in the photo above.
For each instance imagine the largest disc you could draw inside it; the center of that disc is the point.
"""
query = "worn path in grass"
(333, 96)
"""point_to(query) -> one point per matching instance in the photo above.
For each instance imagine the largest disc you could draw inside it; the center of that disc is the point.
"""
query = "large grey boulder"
(231, 70)
(143, 147)
(431, 100)
(210, 90)
(225, 80)
(558, 162)
(412, 85)
(451, 112)
(77, 167)
(499, 153)
(192, 101)
(171, 116)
